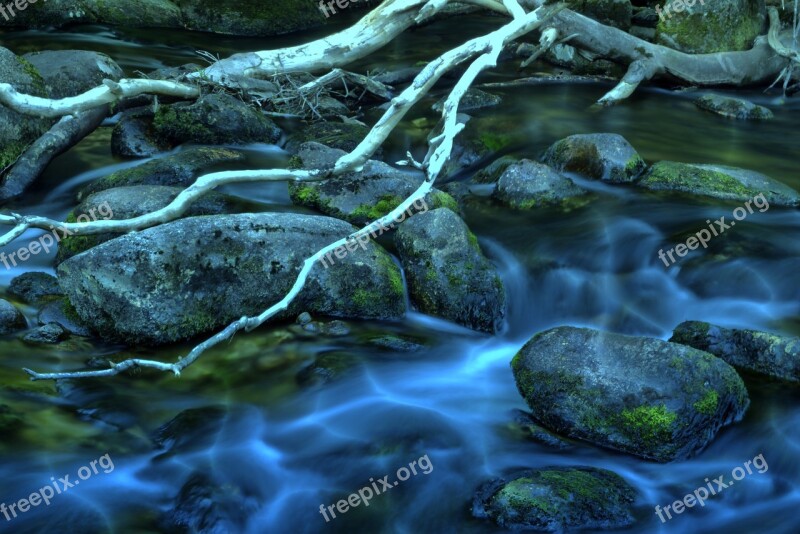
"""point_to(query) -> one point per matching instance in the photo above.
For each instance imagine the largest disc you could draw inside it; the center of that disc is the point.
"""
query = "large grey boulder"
(767, 354)
(119, 203)
(648, 397)
(72, 72)
(18, 131)
(712, 26)
(448, 275)
(528, 184)
(192, 276)
(214, 119)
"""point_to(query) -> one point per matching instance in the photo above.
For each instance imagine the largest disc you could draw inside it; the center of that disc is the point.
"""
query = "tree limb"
(489, 48)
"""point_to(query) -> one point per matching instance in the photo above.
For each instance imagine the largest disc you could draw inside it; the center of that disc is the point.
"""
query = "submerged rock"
(204, 505)
(328, 367)
(196, 275)
(191, 430)
(602, 156)
(768, 354)
(448, 275)
(360, 197)
(528, 184)
(49, 334)
(734, 108)
(557, 499)
(658, 400)
(719, 181)
(133, 201)
(213, 119)
(473, 99)
(179, 169)
(706, 27)
(11, 319)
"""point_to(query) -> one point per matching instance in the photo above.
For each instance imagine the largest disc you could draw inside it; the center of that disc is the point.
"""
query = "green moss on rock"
(652, 425)
(708, 404)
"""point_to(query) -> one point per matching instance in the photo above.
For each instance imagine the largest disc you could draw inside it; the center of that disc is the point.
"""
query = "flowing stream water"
(285, 447)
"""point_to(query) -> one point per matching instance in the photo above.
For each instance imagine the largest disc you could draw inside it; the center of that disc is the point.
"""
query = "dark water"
(283, 448)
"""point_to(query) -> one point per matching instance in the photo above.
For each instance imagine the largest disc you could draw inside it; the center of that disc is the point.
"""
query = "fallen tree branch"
(62, 136)
(107, 93)
(489, 48)
(748, 67)
(638, 71)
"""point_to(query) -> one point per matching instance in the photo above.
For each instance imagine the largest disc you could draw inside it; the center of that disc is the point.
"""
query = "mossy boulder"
(733, 108)
(34, 287)
(359, 197)
(339, 135)
(758, 352)
(132, 201)
(197, 275)
(711, 26)
(557, 499)
(615, 13)
(18, 131)
(250, 17)
(601, 156)
(214, 119)
(448, 275)
(126, 13)
(718, 181)
(71, 72)
(651, 398)
(178, 170)
(528, 184)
